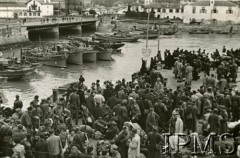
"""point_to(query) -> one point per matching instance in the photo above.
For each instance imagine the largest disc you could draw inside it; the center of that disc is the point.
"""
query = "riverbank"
(181, 26)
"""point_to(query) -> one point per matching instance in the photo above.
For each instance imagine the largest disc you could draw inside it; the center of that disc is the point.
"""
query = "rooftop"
(217, 3)
(163, 5)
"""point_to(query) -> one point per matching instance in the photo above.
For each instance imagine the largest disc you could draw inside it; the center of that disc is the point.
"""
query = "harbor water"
(122, 66)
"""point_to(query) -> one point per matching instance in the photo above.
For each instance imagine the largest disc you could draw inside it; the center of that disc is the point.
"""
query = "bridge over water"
(54, 24)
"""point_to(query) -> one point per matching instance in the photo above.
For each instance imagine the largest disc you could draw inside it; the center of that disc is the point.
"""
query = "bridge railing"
(54, 20)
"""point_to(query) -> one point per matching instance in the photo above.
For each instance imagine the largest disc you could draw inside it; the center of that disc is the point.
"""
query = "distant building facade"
(163, 10)
(168, 11)
(212, 11)
(30, 9)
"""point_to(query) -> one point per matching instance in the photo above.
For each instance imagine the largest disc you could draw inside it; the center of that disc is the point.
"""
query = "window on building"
(30, 14)
(34, 14)
(177, 10)
(229, 11)
(203, 10)
(20, 13)
(159, 10)
(170, 10)
(215, 11)
(182, 10)
(164, 10)
(194, 10)
(25, 14)
(38, 14)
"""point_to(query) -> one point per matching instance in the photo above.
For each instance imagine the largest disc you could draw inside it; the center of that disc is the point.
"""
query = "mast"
(158, 35)
(21, 55)
(147, 30)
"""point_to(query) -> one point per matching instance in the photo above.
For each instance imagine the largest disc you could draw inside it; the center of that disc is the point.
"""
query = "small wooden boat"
(15, 71)
(90, 41)
(200, 31)
(50, 57)
(152, 34)
(169, 33)
(116, 37)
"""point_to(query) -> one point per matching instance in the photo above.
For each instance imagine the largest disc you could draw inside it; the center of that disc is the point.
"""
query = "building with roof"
(161, 10)
(167, 10)
(29, 9)
(211, 11)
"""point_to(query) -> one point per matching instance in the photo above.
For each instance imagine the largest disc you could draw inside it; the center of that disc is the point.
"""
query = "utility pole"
(67, 7)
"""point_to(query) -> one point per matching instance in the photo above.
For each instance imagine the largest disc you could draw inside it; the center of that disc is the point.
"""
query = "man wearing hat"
(112, 131)
(58, 112)
(100, 125)
(45, 109)
(152, 120)
(17, 103)
(214, 122)
(54, 145)
(26, 118)
(206, 103)
(179, 123)
(158, 87)
(17, 115)
(74, 104)
(154, 141)
(133, 94)
(134, 145)
(121, 94)
(35, 101)
(224, 119)
(41, 147)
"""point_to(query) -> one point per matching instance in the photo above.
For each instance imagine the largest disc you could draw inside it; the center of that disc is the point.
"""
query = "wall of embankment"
(12, 34)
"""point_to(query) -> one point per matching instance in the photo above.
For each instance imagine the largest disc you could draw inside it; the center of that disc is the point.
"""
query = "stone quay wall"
(13, 33)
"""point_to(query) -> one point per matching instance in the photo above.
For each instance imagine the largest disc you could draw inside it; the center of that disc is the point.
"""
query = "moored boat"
(75, 57)
(200, 31)
(49, 57)
(116, 37)
(90, 41)
(104, 54)
(15, 71)
(152, 34)
(169, 33)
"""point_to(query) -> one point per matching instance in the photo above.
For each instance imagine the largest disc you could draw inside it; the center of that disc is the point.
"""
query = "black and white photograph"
(119, 79)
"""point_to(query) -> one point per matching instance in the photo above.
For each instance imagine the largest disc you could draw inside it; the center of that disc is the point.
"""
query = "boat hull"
(106, 37)
(54, 62)
(200, 32)
(75, 57)
(11, 74)
(90, 56)
(151, 36)
(105, 55)
(97, 43)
